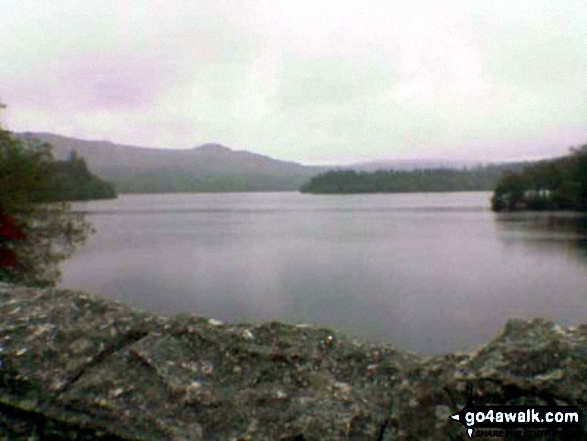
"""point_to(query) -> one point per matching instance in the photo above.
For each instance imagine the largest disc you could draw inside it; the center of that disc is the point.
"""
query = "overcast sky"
(315, 81)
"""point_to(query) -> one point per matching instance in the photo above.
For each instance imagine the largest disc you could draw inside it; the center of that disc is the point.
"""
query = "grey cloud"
(104, 82)
(307, 81)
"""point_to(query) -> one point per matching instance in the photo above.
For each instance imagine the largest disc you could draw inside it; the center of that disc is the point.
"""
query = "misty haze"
(292, 220)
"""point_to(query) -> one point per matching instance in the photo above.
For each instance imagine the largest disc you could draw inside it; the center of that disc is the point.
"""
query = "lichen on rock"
(77, 366)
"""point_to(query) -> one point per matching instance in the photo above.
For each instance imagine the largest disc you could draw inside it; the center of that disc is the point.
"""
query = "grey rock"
(76, 366)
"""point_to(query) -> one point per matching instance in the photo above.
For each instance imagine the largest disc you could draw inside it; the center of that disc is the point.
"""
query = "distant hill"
(209, 167)
(217, 168)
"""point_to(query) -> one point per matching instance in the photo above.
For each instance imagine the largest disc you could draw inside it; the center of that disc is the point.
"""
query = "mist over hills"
(209, 167)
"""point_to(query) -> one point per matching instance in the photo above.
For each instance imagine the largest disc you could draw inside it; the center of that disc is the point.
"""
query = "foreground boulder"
(75, 366)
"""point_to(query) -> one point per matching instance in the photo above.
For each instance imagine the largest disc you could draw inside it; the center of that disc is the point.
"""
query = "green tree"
(556, 184)
(509, 192)
(579, 176)
(35, 234)
(75, 182)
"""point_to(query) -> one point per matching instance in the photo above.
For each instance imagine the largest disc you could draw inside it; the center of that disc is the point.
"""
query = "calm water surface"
(432, 272)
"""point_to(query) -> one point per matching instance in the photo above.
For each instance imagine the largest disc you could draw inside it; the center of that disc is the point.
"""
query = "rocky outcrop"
(75, 366)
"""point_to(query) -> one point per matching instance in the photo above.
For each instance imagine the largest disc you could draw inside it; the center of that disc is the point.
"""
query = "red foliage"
(8, 228)
(9, 232)
(7, 258)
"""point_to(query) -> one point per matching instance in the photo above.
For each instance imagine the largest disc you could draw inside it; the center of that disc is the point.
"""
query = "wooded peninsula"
(556, 184)
(75, 182)
(481, 178)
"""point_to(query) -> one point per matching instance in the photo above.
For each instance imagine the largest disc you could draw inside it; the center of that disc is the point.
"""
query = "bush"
(35, 234)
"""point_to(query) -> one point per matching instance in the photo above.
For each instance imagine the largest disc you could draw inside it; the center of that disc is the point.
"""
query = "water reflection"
(564, 233)
(430, 272)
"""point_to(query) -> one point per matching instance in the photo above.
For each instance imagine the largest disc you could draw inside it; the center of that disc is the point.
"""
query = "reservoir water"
(433, 272)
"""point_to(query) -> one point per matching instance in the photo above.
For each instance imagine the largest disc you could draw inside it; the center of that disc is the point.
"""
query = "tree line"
(557, 184)
(73, 181)
(481, 178)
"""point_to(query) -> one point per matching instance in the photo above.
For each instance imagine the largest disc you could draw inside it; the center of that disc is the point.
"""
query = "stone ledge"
(77, 366)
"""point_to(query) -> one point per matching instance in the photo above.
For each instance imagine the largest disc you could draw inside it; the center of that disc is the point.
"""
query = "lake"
(431, 272)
